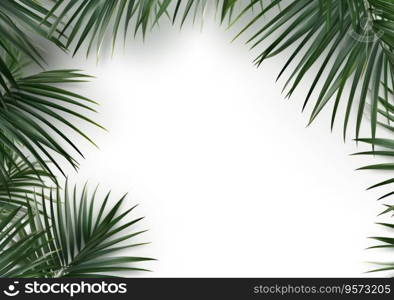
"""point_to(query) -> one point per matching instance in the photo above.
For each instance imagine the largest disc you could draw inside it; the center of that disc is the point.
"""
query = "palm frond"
(21, 182)
(350, 41)
(13, 31)
(19, 254)
(29, 105)
(383, 147)
(67, 237)
(19, 19)
(386, 147)
(31, 112)
(84, 241)
(88, 22)
(385, 243)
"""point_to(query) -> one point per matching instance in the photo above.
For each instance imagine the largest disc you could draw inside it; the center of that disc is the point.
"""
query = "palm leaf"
(349, 40)
(385, 241)
(84, 242)
(383, 147)
(18, 20)
(29, 105)
(21, 182)
(88, 22)
(33, 112)
(19, 254)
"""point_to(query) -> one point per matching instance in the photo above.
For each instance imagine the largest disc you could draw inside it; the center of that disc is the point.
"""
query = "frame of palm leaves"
(45, 234)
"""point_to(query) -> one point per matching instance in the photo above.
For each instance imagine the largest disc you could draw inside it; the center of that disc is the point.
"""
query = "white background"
(228, 177)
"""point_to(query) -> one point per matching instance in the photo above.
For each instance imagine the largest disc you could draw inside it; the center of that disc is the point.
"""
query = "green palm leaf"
(21, 182)
(32, 113)
(32, 107)
(349, 40)
(84, 241)
(383, 147)
(88, 22)
(387, 145)
(385, 243)
(18, 20)
(21, 252)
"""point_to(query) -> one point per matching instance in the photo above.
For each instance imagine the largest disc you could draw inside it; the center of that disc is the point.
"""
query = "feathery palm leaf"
(18, 19)
(355, 40)
(30, 104)
(385, 242)
(19, 254)
(30, 111)
(350, 40)
(84, 241)
(20, 184)
(384, 147)
(88, 22)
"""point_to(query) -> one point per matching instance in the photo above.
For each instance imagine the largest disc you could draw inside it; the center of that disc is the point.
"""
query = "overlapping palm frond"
(32, 113)
(385, 242)
(386, 149)
(87, 241)
(68, 236)
(29, 105)
(21, 182)
(383, 147)
(18, 20)
(88, 22)
(32, 107)
(351, 42)
(41, 234)
(20, 249)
